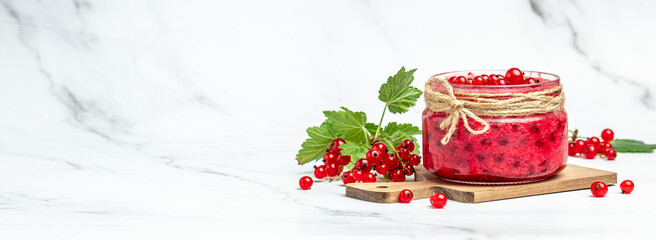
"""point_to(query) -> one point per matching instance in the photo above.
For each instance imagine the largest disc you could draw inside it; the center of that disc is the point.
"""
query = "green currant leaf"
(350, 124)
(397, 93)
(315, 147)
(355, 150)
(395, 133)
(630, 145)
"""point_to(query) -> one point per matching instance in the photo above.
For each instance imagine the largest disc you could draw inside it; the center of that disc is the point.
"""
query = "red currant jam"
(514, 150)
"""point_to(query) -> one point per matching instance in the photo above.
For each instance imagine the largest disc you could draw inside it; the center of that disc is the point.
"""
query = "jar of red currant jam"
(528, 147)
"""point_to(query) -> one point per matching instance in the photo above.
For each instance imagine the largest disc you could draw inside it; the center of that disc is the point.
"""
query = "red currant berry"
(408, 170)
(502, 82)
(408, 144)
(344, 160)
(514, 76)
(460, 80)
(357, 175)
(332, 170)
(478, 80)
(382, 169)
(405, 196)
(452, 79)
(368, 177)
(438, 200)
(415, 159)
(571, 149)
(393, 162)
(397, 175)
(603, 147)
(334, 146)
(599, 189)
(607, 135)
(380, 147)
(364, 165)
(594, 141)
(320, 172)
(492, 79)
(305, 182)
(611, 154)
(374, 155)
(404, 154)
(347, 178)
(330, 157)
(580, 145)
(627, 186)
(590, 151)
(530, 81)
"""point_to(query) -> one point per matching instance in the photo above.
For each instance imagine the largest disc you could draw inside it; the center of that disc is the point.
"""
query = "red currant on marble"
(514, 76)
(611, 154)
(598, 189)
(405, 196)
(320, 172)
(590, 151)
(305, 182)
(368, 177)
(438, 200)
(607, 135)
(627, 186)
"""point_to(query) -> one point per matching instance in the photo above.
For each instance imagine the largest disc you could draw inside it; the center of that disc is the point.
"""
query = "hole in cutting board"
(381, 187)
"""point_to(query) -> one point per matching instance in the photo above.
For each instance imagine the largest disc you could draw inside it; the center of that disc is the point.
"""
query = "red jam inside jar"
(516, 149)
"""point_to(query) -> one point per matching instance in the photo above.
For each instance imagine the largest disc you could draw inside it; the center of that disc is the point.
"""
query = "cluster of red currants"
(599, 189)
(395, 165)
(513, 76)
(593, 146)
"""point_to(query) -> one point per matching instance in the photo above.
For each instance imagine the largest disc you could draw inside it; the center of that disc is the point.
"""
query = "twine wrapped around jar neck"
(473, 105)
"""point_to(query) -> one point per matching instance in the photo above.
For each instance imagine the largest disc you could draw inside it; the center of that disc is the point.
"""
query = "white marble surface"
(181, 119)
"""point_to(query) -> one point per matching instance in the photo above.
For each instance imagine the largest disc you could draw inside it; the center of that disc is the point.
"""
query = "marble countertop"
(181, 119)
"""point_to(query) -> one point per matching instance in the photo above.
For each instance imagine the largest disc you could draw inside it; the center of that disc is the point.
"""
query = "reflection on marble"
(181, 119)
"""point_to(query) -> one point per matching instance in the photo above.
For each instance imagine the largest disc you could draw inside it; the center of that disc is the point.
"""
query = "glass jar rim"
(552, 80)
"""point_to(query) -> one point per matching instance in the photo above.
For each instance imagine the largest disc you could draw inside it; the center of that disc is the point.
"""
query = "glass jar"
(516, 149)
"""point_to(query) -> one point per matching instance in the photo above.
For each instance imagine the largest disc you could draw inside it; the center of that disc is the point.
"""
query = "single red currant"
(334, 146)
(438, 200)
(320, 172)
(603, 147)
(332, 170)
(514, 76)
(590, 151)
(305, 182)
(368, 177)
(580, 146)
(415, 159)
(330, 157)
(598, 189)
(397, 175)
(478, 80)
(404, 154)
(607, 135)
(627, 186)
(408, 170)
(530, 81)
(461, 80)
(364, 165)
(408, 144)
(382, 169)
(571, 149)
(347, 177)
(343, 160)
(492, 79)
(405, 196)
(594, 141)
(357, 175)
(611, 154)
(502, 82)
(374, 155)
(452, 79)
(380, 147)
(393, 162)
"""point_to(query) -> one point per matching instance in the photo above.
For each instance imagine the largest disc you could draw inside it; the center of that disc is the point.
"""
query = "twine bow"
(471, 105)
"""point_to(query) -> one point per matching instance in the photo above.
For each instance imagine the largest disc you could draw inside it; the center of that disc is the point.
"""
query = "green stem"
(379, 124)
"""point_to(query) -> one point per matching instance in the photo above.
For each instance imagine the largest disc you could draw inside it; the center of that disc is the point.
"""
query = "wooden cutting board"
(573, 177)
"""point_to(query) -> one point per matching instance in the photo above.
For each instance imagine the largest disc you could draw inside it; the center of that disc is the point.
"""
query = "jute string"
(473, 105)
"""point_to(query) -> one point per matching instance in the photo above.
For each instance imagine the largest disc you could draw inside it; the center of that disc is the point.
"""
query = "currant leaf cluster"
(360, 135)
